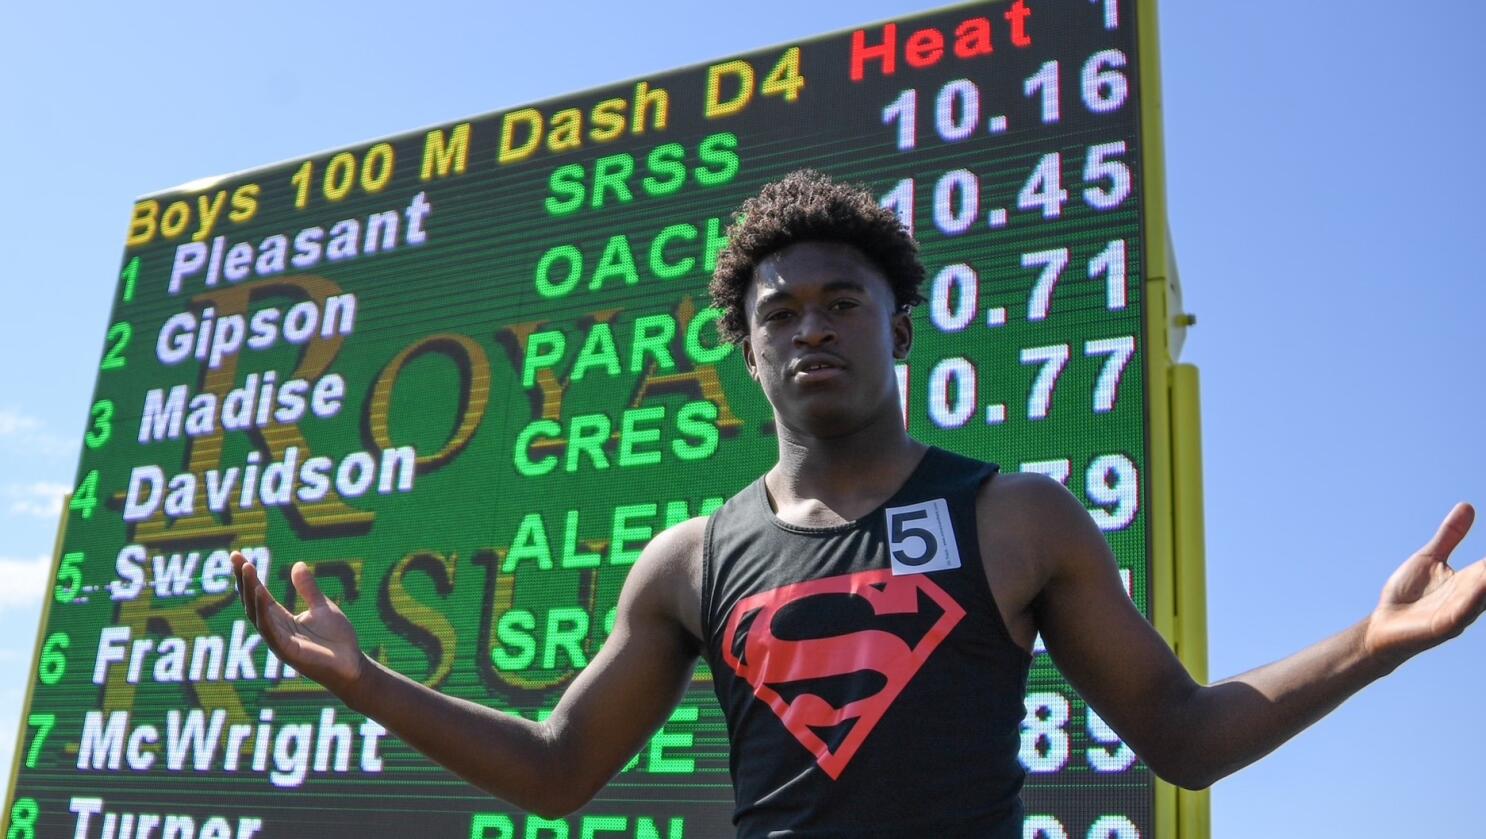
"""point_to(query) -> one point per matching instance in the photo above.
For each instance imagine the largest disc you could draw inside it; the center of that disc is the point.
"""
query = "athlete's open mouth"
(815, 364)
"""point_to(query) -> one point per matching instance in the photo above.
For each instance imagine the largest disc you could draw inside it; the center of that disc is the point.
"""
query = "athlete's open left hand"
(318, 642)
(1426, 601)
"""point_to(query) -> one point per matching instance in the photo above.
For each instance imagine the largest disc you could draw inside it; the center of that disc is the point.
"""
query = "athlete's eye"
(777, 316)
(843, 304)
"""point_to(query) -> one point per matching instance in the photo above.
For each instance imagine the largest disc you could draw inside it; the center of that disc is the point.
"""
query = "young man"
(868, 605)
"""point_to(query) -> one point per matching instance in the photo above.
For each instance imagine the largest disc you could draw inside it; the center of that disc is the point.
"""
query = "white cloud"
(24, 580)
(42, 499)
(14, 423)
(20, 431)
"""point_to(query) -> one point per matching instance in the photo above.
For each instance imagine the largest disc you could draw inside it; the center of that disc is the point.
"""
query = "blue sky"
(1323, 165)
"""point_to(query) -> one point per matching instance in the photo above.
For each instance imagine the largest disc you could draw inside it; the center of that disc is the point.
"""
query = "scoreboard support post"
(1193, 808)
(1178, 575)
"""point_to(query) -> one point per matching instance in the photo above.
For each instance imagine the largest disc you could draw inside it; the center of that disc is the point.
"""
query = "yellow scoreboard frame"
(1173, 410)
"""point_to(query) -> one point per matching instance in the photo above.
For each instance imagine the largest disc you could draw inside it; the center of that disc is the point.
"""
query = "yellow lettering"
(608, 120)
(244, 204)
(567, 130)
(738, 69)
(441, 155)
(207, 210)
(645, 99)
(143, 222)
(527, 119)
(177, 216)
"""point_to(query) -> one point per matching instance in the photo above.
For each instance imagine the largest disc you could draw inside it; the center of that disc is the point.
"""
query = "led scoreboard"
(466, 373)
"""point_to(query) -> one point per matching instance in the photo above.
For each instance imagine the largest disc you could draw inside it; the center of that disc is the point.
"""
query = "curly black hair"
(807, 206)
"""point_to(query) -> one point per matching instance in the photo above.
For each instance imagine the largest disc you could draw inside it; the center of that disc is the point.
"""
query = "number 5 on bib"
(921, 538)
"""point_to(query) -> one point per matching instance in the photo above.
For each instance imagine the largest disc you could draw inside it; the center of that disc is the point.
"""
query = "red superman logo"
(775, 666)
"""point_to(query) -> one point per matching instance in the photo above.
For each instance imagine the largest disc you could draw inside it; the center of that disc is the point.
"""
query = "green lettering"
(658, 264)
(679, 511)
(536, 824)
(571, 557)
(524, 464)
(612, 172)
(514, 629)
(631, 435)
(716, 241)
(568, 182)
(623, 533)
(665, 160)
(530, 543)
(587, 433)
(543, 349)
(482, 823)
(697, 420)
(653, 334)
(566, 629)
(591, 825)
(660, 762)
(574, 259)
(617, 261)
(647, 829)
(598, 351)
(694, 349)
(721, 151)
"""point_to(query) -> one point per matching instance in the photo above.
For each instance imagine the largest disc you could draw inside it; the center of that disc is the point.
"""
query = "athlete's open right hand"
(318, 642)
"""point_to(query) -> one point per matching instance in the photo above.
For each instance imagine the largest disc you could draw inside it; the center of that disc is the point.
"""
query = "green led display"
(467, 373)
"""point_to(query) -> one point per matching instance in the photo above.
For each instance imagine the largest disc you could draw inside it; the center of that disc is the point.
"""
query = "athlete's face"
(823, 333)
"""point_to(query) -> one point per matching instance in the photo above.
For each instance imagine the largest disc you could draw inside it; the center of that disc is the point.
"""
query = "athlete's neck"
(825, 481)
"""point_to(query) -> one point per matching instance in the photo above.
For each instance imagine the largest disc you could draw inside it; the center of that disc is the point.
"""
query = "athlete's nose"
(814, 327)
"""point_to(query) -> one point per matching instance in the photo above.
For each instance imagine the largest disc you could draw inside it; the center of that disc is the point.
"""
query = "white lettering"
(129, 567)
(102, 747)
(111, 642)
(146, 478)
(242, 260)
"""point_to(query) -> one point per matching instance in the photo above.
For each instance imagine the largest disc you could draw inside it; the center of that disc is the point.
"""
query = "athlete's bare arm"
(1190, 734)
(551, 767)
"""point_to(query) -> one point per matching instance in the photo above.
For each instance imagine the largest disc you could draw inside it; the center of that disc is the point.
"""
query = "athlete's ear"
(749, 361)
(902, 332)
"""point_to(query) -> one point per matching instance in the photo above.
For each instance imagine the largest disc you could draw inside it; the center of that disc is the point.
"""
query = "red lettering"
(927, 47)
(1017, 16)
(923, 48)
(885, 52)
(973, 37)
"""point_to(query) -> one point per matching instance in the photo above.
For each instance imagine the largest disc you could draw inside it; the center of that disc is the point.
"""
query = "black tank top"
(869, 684)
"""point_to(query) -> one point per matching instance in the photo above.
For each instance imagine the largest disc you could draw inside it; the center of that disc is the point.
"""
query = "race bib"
(921, 538)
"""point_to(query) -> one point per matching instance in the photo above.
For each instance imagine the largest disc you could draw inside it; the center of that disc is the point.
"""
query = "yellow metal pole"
(1194, 809)
(1174, 466)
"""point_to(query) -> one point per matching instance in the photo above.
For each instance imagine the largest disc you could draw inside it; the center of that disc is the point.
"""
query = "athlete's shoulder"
(1037, 512)
(668, 574)
(1032, 508)
(680, 541)
(1025, 491)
